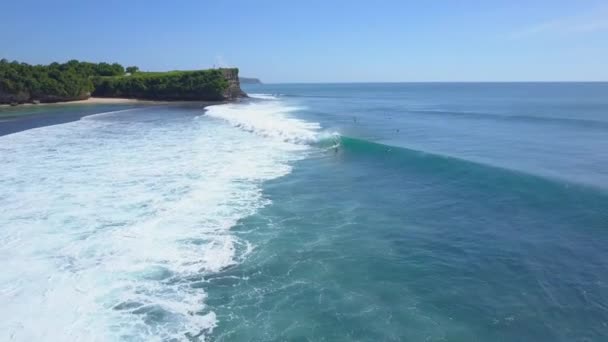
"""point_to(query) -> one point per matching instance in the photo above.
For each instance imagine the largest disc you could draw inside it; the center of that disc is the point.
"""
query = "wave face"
(474, 175)
(110, 224)
(431, 226)
(552, 130)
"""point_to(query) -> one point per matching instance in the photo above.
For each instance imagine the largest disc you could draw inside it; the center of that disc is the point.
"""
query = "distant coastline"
(249, 80)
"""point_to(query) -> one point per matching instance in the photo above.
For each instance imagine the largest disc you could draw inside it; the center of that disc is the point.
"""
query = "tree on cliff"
(22, 82)
(105, 69)
(132, 69)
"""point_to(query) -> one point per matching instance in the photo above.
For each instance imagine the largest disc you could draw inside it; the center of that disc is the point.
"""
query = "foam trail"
(99, 115)
(106, 225)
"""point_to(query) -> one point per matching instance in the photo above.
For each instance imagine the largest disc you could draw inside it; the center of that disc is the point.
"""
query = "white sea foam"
(98, 115)
(263, 96)
(268, 119)
(105, 224)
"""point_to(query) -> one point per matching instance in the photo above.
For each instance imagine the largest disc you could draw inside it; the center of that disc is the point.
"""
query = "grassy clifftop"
(208, 85)
(74, 80)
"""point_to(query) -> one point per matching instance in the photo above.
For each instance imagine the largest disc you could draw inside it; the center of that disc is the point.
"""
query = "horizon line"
(401, 82)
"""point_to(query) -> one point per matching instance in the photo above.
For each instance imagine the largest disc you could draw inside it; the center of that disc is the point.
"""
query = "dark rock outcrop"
(234, 90)
(53, 98)
(20, 97)
(26, 97)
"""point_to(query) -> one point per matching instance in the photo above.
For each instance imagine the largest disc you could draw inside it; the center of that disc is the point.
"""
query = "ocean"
(312, 212)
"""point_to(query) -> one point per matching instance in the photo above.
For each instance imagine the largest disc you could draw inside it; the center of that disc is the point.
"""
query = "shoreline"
(90, 100)
(14, 119)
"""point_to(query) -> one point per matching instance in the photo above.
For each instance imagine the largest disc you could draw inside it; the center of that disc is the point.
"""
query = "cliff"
(26, 96)
(16, 97)
(74, 80)
(199, 85)
(233, 90)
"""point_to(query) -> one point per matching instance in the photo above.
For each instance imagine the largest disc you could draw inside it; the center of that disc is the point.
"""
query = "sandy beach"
(26, 116)
(91, 100)
(107, 100)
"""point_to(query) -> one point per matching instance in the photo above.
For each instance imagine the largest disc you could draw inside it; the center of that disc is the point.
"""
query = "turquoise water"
(346, 212)
(449, 212)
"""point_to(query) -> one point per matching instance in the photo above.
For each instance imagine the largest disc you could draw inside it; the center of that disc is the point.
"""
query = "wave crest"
(263, 96)
(269, 119)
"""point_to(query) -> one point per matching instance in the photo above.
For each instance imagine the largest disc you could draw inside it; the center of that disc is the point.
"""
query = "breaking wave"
(111, 226)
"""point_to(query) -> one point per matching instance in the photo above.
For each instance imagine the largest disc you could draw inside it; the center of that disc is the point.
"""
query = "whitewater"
(110, 224)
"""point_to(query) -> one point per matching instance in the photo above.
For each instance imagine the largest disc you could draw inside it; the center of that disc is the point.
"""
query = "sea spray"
(268, 119)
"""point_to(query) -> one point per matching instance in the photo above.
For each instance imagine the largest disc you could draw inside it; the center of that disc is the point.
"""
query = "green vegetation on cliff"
(174, 85)
(74, 80)
(21, 82)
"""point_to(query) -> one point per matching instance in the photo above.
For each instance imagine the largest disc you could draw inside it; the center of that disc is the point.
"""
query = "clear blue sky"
(321, 41)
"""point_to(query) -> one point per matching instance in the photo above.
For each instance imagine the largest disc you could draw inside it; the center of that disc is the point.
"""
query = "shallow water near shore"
(369, 212)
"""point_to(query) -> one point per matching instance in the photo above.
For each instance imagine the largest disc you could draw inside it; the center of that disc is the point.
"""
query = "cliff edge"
(233, 91)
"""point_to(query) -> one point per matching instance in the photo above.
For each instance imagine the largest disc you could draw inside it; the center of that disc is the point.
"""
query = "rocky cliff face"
(25, 97)
(7, 98)
(234, 90)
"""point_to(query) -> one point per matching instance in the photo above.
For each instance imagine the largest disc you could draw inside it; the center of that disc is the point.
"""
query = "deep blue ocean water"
(315, 212)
